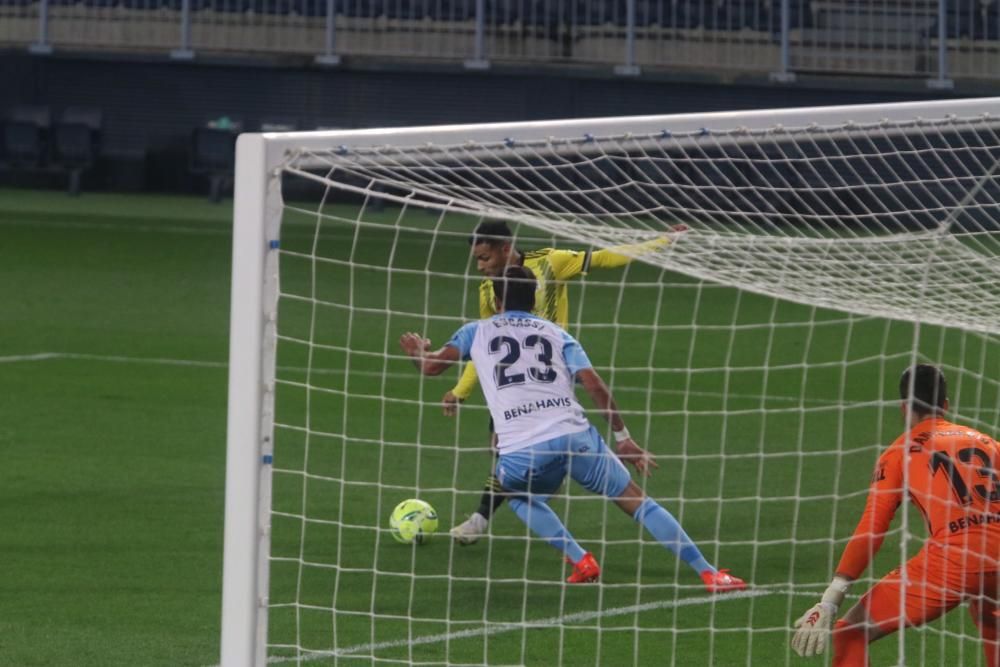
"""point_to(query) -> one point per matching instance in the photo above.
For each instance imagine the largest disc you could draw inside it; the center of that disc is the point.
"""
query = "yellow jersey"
(552, 268)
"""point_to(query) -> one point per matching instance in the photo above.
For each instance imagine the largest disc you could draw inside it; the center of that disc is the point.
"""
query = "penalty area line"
(501, 628)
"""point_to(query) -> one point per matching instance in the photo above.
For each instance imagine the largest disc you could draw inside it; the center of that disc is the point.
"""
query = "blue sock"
(662, 525)
(542, 521)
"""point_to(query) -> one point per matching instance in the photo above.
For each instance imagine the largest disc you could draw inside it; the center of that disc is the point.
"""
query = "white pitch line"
(208, 229)
(500, 628)
(47, 356)
(41, 356)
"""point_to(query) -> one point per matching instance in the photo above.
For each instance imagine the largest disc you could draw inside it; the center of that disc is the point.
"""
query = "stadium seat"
(312, 8)
(405, 9)
(231, 6)
(452, 10)
(799, 15)
(965, 19)
(688, 13)
(26, 137)
(588, 12)
(76, 142)
(360, 8)
(505, 12)
(213, 153)
(738, 14)
(962, 18)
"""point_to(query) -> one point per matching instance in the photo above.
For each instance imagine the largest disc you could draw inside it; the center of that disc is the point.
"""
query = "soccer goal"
(756, 355)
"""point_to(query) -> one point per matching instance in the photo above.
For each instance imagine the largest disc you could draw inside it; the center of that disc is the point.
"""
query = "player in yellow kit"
(493, 249)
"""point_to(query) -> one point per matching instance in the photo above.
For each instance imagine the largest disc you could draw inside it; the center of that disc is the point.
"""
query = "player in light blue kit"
(527, 367)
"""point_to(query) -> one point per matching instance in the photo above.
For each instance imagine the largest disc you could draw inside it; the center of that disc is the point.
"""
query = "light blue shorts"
(542, 467)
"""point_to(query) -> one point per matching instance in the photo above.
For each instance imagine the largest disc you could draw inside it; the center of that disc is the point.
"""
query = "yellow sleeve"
(568, 263)
(621, 255)
(487, 308)
(466, 383)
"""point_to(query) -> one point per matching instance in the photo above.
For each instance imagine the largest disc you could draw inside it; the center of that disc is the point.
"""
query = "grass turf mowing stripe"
(55, 356)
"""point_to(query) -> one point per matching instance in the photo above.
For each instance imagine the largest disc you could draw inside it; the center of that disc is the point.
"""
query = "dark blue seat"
(23, 144)
(26, 137)
(76, 137)
(686, 13)
(359, 8)
(213, 153)
(964, 16)
(312, 8)
(799, 15)
(231, 6)
(738, 14)
(405, 9)
(963, 20)
(76, 142)
(450, 10)
(501, 12)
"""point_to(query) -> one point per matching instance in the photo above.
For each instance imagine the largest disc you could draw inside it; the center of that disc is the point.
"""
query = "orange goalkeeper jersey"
(950, 473)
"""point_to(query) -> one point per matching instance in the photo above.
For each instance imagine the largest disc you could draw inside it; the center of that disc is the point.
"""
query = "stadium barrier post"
(42, 47)
(629, 68)
(942, 82)
(784, 73)
(329, 56)
(478, 59)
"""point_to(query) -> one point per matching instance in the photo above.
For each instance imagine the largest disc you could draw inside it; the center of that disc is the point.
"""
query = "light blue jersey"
(526, 367)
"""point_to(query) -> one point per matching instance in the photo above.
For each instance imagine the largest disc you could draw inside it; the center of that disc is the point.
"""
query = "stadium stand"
(827, 36)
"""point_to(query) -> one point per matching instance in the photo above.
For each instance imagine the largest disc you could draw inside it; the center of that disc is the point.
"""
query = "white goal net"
(757, 356)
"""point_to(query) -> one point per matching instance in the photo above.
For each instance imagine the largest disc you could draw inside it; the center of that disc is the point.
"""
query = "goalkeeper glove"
(814, 626)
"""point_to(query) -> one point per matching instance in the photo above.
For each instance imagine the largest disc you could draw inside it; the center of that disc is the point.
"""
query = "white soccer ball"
(413, 521)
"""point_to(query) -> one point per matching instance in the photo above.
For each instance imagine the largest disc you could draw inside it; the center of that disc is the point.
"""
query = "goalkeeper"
(949, 472)
(493, 249)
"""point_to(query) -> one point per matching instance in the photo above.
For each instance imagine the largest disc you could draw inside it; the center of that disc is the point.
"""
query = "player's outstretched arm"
(813, 628)
(616, 256)
(427, 362)
(628, 450)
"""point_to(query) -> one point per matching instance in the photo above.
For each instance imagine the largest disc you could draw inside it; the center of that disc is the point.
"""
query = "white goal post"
(757, 189)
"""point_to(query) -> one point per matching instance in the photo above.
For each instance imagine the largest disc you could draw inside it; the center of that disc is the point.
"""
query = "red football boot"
(722, 582)
(585, 571)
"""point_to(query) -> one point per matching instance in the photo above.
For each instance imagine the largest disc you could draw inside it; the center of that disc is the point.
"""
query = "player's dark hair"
(491, 232)
(929, 389)
(515, 289)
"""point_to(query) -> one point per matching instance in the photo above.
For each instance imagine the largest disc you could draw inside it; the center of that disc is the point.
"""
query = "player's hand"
(414, 344)
(450, 403)
(813, 632)
(643, 461)
(678, 228)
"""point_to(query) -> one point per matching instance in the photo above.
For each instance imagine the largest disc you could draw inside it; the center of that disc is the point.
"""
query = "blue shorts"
(542, 467)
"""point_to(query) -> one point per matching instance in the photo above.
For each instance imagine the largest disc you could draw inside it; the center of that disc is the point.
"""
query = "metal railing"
(931, 39)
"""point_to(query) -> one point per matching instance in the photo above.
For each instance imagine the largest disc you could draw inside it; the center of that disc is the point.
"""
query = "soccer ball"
(413, 521)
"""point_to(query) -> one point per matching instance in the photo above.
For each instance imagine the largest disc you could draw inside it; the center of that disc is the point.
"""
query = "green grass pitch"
(766, 417)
